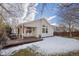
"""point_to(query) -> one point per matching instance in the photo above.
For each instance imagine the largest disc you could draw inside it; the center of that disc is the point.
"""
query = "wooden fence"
(74, 34)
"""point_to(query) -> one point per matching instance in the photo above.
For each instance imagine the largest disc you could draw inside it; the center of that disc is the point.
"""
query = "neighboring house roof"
(63, 27)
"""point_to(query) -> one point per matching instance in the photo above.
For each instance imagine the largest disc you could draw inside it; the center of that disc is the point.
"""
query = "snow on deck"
(50, 45)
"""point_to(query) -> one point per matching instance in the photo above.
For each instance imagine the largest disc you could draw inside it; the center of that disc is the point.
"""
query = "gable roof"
(35, 21)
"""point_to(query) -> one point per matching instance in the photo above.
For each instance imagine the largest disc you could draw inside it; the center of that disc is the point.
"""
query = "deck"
(11, 43)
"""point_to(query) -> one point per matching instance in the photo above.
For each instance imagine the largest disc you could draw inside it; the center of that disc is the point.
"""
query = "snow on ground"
(50, 45)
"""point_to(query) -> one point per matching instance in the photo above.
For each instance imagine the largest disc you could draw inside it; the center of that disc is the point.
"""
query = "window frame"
(44, 29)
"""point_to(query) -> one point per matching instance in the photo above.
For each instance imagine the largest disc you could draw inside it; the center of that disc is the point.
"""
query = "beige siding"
(38, 28)
(50, 29)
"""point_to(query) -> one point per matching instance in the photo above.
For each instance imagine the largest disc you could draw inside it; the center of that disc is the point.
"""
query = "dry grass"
(76, 38)
(31, 52)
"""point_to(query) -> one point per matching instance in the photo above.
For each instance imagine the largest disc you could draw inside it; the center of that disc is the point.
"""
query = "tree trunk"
(70, 32)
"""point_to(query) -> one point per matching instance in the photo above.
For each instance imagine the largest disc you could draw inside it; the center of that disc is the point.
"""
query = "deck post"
(22, 31)
(19, 33)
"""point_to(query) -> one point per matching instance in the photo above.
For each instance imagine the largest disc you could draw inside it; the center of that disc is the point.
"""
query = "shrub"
(29, 51)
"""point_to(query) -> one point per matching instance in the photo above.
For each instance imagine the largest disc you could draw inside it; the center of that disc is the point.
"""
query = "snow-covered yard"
(50, 45)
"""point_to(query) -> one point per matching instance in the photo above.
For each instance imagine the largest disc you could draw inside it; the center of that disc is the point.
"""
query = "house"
(35, 28)
(65, 28)
(60, 28)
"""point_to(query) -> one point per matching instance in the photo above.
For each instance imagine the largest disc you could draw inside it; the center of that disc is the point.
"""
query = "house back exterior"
(35, 28)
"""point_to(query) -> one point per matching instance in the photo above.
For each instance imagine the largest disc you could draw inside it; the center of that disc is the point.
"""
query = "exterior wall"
(30, 24)
(39, 29)
(50, 29)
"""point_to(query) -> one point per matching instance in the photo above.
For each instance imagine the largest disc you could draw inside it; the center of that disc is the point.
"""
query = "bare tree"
(5, 13)
(69, 16)
(69, 12)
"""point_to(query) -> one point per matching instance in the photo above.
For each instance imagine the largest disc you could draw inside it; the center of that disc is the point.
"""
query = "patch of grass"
(32, 51)
(29, 51)
(72, 53)
(26, 52)
(76, 38)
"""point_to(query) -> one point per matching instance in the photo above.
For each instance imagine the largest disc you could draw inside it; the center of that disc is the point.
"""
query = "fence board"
(74, 34)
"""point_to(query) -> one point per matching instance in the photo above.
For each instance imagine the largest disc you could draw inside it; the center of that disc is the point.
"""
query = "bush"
(4, 32)
(29, 51)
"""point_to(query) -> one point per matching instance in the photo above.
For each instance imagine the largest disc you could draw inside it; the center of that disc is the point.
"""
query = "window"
(28, 30)
(44, 29)
(18, 30)
(44, 26)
